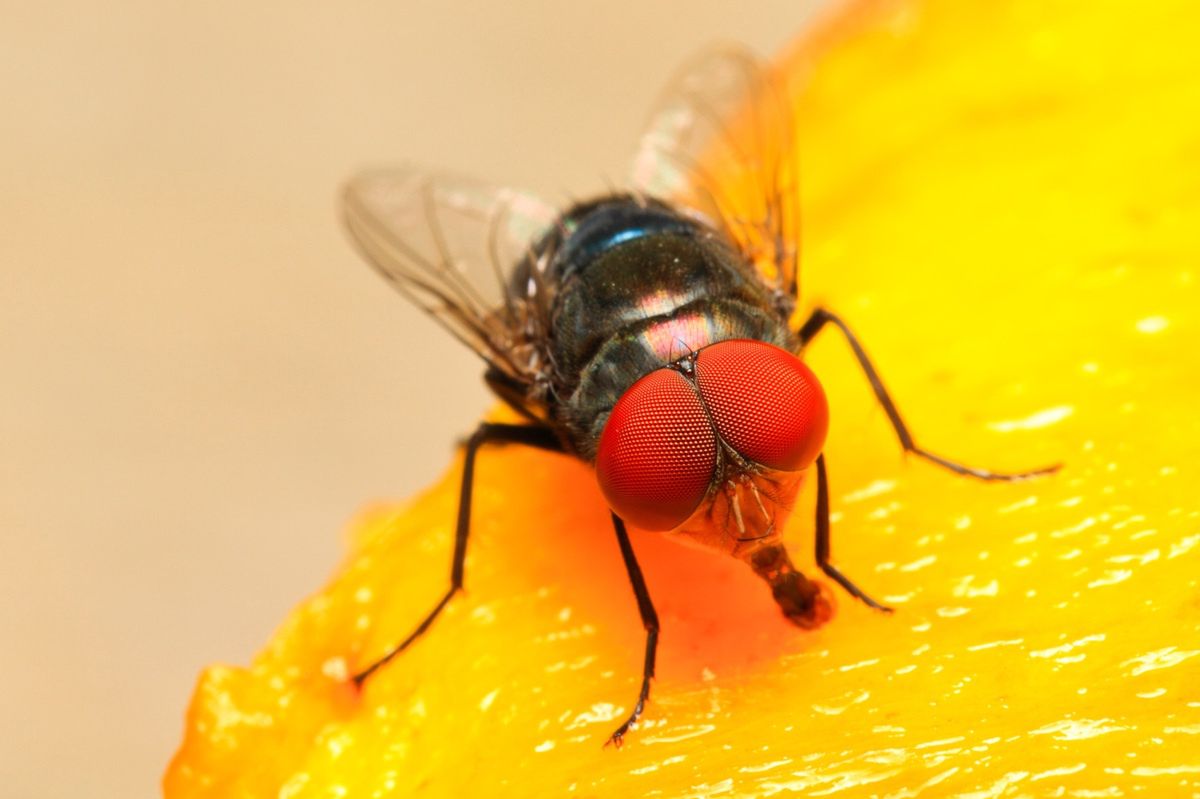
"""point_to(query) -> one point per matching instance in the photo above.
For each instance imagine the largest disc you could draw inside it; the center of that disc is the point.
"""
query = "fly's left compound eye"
(657, 453)
(766, 403)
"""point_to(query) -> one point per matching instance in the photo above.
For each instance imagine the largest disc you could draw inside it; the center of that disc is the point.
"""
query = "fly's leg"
(486, 433)
(649, 622)
(820, 317)
(823, 549)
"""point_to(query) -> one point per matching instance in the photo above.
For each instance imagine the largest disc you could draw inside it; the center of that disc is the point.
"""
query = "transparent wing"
(721, 143)
(449, 244)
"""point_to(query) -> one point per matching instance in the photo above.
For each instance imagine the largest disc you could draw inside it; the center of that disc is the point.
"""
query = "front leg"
(486, 433)
(649, 622)
(823, 546)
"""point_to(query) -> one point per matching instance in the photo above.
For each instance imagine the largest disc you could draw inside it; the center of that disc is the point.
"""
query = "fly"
(648, 333)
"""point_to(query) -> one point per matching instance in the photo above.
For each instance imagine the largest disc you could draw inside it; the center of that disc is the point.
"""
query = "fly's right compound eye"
(657, 453)
(765, 402)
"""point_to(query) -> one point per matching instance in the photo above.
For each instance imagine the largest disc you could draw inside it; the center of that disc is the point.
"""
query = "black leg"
(649, 622)
(486, 433)
(820, 317)
(823, 549)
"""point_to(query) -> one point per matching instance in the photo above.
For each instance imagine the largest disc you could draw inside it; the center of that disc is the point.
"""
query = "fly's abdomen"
(642, 287)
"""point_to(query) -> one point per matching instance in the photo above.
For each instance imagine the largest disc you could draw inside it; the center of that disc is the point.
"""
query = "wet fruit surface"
(1002, 200)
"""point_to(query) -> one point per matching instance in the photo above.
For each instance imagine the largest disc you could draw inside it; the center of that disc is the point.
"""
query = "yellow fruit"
(1003, 199)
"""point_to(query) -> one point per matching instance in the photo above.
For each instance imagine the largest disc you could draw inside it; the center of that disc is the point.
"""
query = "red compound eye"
(767, 404)
(657, 452)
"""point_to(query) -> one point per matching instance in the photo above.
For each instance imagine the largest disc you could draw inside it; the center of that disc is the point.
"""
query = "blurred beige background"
(201, 381)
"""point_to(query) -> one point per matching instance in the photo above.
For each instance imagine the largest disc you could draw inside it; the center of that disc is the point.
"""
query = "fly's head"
(713, 447)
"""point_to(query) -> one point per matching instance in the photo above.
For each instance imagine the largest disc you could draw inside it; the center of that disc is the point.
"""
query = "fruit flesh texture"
(1001, 199)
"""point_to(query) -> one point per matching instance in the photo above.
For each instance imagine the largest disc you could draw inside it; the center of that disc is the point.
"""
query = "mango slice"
(1003, 199)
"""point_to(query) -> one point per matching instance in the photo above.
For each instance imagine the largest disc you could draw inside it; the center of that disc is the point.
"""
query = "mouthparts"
(802, 601)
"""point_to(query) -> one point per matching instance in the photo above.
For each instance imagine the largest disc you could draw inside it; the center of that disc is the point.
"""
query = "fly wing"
(448, 244)
(721, 143)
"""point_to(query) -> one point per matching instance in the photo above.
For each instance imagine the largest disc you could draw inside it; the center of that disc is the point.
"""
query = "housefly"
(648, 332)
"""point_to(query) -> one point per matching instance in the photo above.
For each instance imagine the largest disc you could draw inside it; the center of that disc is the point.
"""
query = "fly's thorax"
(644, 346)
(640, 286)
